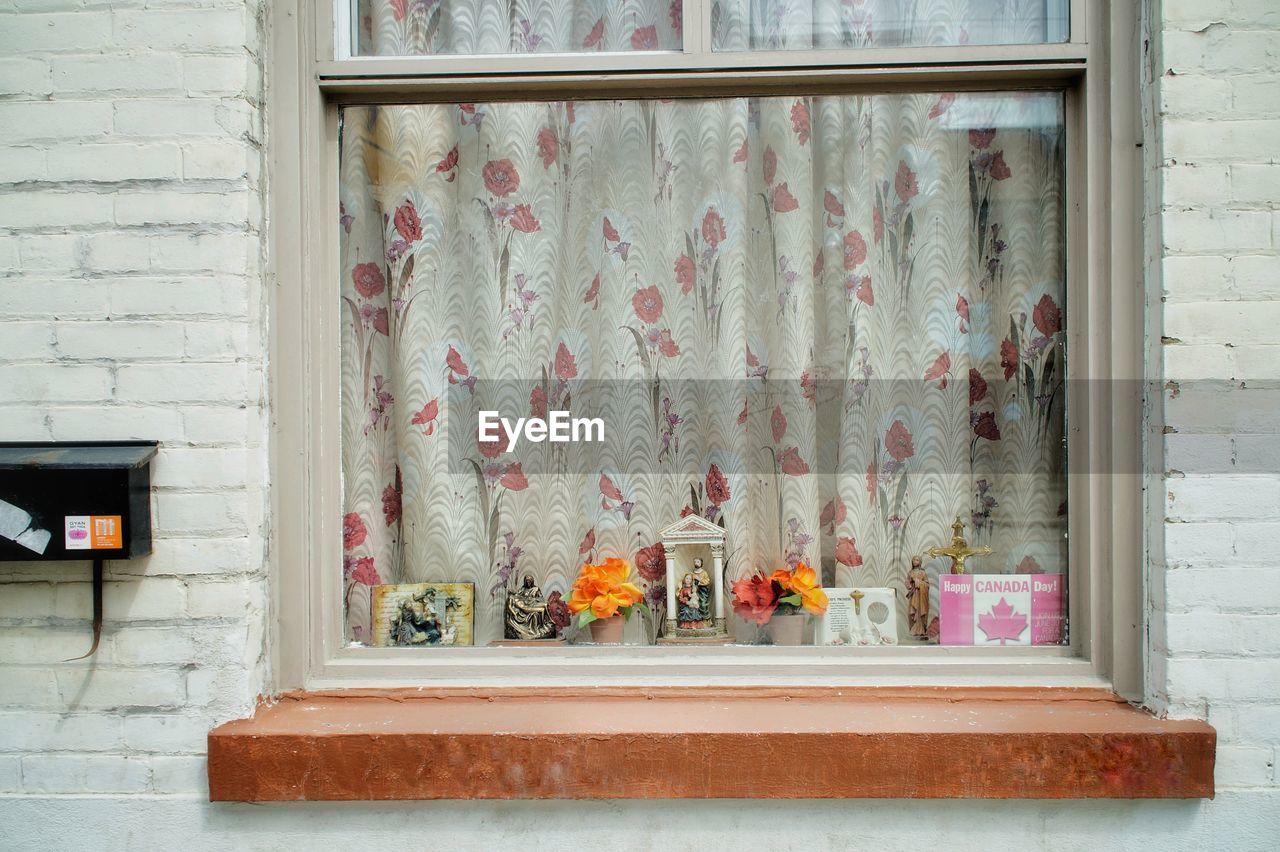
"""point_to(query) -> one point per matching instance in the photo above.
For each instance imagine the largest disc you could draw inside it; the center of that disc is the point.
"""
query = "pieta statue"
(527, 615)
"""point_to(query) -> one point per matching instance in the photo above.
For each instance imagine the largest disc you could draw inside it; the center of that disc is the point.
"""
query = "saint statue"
(917, 600)
(526, 613)
(694, 598)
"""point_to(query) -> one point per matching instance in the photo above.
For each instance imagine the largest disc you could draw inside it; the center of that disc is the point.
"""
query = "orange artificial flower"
(603, 589)
(804, 581)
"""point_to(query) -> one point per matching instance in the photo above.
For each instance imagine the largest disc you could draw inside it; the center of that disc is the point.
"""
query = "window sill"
(707, 743)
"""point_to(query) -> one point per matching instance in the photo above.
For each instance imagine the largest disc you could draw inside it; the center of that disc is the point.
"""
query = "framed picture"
(421, 615)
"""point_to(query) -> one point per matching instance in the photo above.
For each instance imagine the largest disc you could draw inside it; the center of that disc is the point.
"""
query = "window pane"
(826, 325)
(799, 24)
(428, 27)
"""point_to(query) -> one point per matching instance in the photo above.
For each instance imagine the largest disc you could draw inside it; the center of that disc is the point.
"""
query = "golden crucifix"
(959, 549)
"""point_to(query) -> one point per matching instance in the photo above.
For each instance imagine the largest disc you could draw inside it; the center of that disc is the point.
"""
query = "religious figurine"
(959, 549)
(917, 600)
(694, 599)
(416, 624)
(527, 616)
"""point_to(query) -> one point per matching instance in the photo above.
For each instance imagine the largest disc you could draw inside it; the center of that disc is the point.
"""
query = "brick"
(202, 252)
(30, 731)
(178, 467)
(181, 382)
(59, 253)
(21, 163)
(39, 383)
(230, 599)
(117, 774)
(1216, 231)
(221, 512)
(24, 121)
(149, 598)
(1220, 141)
(26, 687)
(1218, 497)
(114, 162)
(113, 74)
(167, 733)
(107, 689)
(41, 297)
(180, 774)
(168, 118)
(203, 556)
(169, 208)
(59, 32)
(1197, 185)
(194, 30)
(10, 774)
(219, 75)
(211, 340)
(116, 423)
(1256, 183)
(25, 76)
(179, 298)
(56, 210)
(121, 340)
(53, 773)
(215, 161)
(1234, 323)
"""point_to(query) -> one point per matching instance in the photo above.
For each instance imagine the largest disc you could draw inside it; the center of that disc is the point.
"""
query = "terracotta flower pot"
(788, 629)
(607, 631)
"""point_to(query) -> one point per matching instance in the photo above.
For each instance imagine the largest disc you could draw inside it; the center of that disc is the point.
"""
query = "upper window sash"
(336, 57)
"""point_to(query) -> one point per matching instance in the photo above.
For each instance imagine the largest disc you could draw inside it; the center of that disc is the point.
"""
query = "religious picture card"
(858, 616)
(423, 615)
(1001, 609)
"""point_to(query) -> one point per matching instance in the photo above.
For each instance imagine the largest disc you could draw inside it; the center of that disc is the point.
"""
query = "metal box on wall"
(71, 501)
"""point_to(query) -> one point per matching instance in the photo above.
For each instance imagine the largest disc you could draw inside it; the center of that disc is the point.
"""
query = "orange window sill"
(613, 743)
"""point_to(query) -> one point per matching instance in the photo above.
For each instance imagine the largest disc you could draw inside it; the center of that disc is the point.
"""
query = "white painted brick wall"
(132, 295)
(131, 291)
(1215, 625)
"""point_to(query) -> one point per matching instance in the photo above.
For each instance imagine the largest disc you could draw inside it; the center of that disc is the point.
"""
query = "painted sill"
(1004, 743)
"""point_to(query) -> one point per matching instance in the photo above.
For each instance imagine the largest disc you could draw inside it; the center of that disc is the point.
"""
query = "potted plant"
(604, 598)
(781, 600)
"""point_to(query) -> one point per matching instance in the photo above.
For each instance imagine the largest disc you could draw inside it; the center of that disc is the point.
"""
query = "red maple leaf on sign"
(1002, 622)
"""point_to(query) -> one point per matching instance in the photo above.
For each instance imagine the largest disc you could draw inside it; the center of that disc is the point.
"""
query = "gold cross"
(959, 550)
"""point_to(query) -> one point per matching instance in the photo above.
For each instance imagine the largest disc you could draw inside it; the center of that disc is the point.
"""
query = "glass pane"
(825, 326)
(799, 24)
(430, 27)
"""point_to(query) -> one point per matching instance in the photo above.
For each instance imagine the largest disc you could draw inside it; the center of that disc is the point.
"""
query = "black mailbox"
(75, 501)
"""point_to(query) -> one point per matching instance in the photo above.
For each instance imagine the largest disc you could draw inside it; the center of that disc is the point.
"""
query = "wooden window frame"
(1109, 419)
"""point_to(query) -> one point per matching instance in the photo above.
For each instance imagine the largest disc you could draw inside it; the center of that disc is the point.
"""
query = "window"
(817, 275)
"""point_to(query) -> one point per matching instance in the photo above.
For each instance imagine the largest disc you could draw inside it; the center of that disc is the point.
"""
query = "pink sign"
(1001, 609)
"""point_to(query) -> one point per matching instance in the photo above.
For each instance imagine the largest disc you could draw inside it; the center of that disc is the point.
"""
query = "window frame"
(1109, 426)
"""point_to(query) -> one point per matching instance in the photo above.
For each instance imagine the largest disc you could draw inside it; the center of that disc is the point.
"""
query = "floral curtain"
(829, 324)
(797, 24)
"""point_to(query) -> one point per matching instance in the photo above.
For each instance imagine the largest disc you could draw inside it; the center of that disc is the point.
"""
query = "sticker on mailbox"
(94, 532)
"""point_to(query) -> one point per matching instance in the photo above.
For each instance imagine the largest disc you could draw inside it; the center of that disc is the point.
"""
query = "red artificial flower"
(651, 562)
(977, 386)
(800, 121)
(1046, 316)
(645, 38)
(609, 490)
(449, 163)
(1008, 358)
(904, 182)
(981, 138)
(523, 220)
(513, 478)
(755, 599)
(648, 304)
(354, 531)
(717, 486)
(897, 442)
(855, 249)
(500, 177)
(713, 228)
(548, 146)
(847, 552)
(368, 279)
(426, 417)
(408, 223)
(999, 168)
(558, 610)
(454, 362)
(685, 273)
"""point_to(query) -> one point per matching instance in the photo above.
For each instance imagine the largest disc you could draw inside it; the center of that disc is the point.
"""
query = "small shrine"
(694, 551)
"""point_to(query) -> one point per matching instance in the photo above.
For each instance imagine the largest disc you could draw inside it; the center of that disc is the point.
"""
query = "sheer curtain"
(830, 324)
